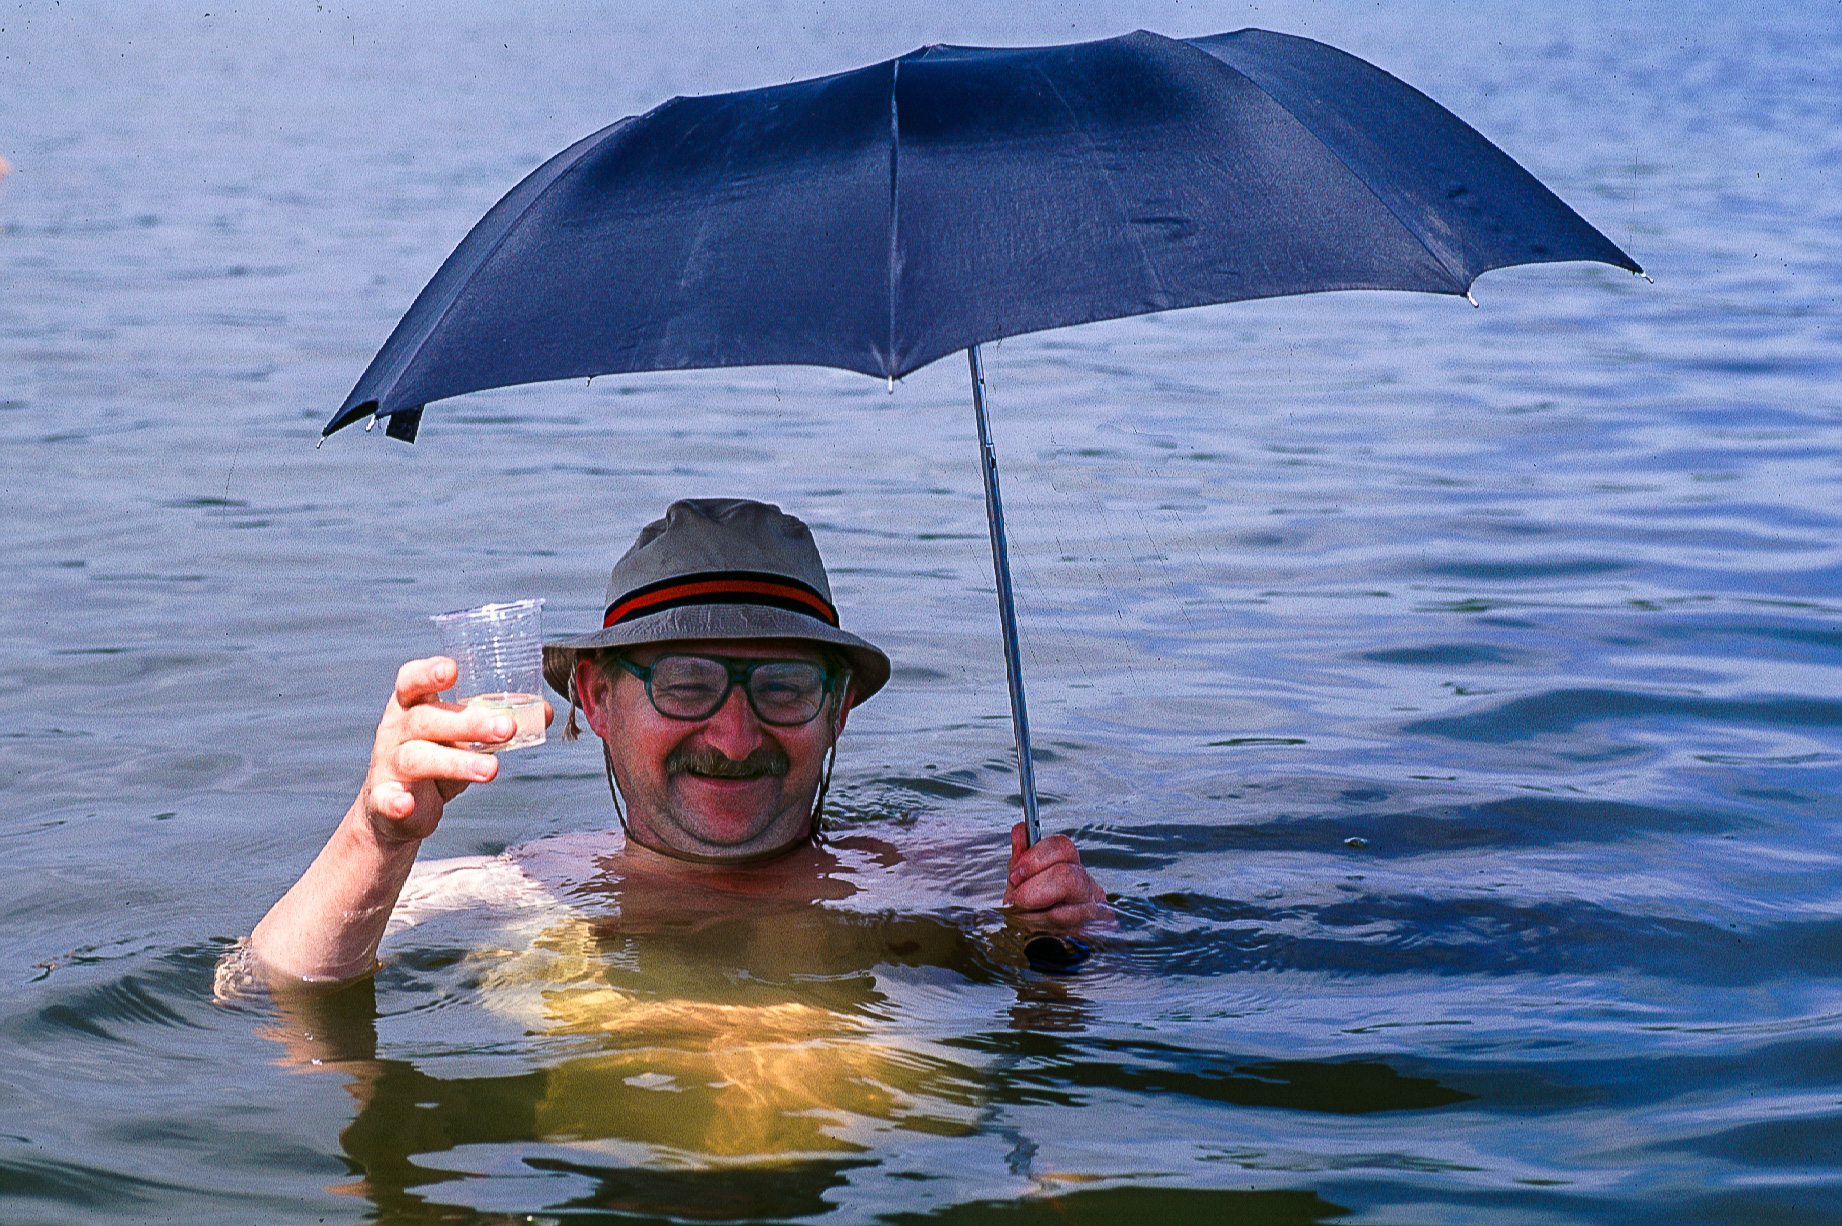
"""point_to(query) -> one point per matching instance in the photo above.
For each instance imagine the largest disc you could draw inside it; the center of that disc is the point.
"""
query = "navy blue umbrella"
(880, 219)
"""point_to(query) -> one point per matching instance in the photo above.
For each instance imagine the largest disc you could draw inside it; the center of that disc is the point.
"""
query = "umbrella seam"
(1150, 265)
(895, 217)
(1463, 283)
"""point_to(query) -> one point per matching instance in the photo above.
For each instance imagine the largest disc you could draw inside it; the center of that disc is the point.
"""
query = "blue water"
(1448, 697)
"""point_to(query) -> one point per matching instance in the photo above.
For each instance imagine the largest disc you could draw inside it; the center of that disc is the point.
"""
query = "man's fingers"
(1056, 886)
(418, 760)
(448, 724)
(420, 680)
(1056, 849)
(1047, 882)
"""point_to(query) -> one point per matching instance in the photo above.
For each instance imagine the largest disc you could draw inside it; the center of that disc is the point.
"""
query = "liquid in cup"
(526, 709)
(500, 651)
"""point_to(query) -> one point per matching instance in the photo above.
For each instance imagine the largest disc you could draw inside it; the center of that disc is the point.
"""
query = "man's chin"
(727, 813)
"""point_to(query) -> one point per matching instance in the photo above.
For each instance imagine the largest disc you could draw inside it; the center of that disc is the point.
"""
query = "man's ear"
(593, 691)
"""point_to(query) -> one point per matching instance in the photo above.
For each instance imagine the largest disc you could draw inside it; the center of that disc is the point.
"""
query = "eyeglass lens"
(781, 691)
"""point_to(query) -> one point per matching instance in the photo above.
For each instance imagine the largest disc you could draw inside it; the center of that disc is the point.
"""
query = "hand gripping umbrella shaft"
(1045, 951)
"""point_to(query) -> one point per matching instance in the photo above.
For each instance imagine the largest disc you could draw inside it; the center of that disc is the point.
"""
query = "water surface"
(1448, 696)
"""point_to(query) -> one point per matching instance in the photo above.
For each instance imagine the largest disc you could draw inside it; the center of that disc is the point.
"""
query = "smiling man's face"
(727, 786)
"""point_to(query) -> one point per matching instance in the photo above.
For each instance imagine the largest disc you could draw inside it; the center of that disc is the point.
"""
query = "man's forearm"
(327, 927)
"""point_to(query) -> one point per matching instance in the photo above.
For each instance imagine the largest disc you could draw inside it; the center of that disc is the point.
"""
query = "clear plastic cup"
(500, 651)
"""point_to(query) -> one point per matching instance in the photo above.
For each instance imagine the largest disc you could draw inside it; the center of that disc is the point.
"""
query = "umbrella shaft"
(1007, 608)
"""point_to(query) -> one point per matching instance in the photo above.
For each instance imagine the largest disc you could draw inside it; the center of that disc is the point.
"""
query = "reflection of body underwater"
(751, 1034)
(686, 1027)
(739, 1072)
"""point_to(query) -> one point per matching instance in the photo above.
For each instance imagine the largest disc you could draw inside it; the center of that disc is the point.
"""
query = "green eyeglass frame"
(801, 703)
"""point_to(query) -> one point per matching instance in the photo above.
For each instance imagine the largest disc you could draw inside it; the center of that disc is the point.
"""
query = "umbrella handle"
(1007, 607)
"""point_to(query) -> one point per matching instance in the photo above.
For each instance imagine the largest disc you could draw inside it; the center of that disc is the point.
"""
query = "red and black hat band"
(721, 587)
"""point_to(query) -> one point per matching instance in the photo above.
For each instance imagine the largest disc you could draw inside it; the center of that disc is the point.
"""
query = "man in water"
(718, 685)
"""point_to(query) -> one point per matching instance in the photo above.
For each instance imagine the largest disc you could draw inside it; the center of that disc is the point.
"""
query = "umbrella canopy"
(882, 218)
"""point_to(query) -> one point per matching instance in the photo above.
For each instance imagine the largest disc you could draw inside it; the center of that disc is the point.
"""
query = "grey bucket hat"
(720, 568)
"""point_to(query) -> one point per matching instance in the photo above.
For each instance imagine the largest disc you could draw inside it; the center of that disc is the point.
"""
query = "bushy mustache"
(766, 760)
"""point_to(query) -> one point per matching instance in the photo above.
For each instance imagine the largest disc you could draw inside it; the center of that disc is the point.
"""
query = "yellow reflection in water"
(774, 1049)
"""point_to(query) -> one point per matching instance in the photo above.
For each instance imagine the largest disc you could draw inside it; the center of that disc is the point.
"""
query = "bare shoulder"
(565, 861)
(462, 883)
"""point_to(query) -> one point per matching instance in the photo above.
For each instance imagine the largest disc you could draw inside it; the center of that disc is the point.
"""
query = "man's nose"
(733, 730)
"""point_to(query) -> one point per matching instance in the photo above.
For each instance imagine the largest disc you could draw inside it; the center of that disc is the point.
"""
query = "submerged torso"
(727, 1014)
